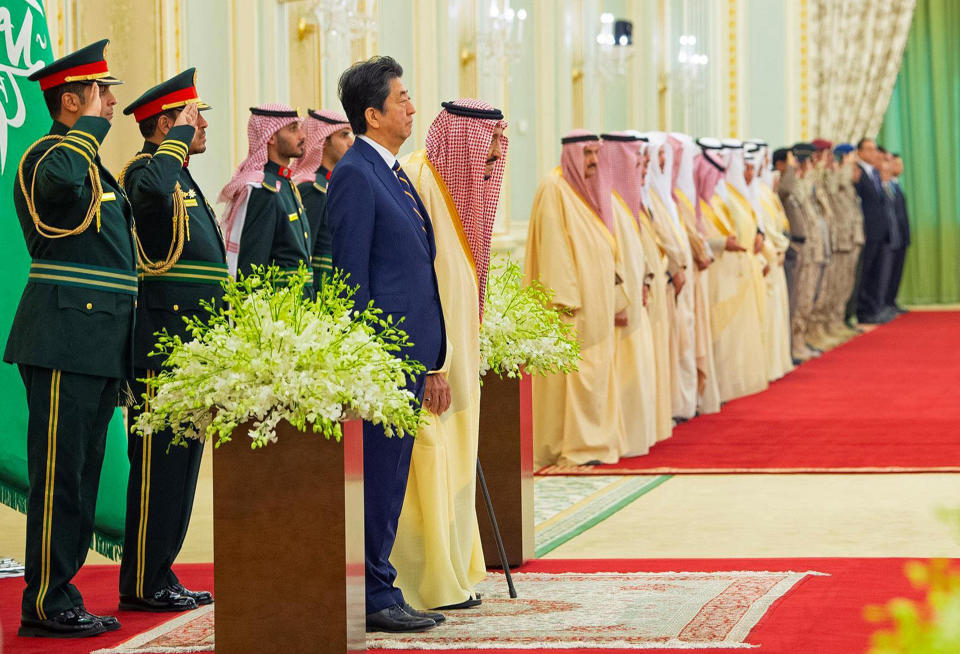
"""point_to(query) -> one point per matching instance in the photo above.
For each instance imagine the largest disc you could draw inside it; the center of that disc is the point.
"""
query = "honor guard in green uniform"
(72, 334)
(328, 137)
(266, 223)
(182, 262)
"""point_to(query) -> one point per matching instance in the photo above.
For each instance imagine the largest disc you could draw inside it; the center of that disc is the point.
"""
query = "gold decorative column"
(663, 56)
(804, 73)
(134, 55)
(303, 39)
(579, 113)
(467, 50)
(732, 62)
(545, 44)
(426, 80)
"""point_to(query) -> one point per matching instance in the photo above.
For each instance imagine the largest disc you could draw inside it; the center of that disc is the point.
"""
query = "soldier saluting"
(72, 334)
(182, 262)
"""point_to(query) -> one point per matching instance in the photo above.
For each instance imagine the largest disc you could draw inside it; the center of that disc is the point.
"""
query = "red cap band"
(177, 98)
(83, 73)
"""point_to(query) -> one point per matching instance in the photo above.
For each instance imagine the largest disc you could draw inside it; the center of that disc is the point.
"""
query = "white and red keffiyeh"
(458, 143)
(318, 126)
(595, 190)
(265, 121)
(619, 157)
(708, 170)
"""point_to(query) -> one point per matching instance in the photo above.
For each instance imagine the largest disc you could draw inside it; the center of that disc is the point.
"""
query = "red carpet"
(98, 583)
(884, 402)
(821, 614)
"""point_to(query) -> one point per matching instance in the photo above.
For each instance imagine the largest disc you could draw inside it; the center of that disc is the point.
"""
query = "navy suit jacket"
(379, 240)
(874, 201)
(903, 220)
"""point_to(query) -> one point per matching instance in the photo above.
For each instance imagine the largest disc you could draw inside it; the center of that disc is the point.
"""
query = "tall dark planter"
(506, 454)
(288, 544)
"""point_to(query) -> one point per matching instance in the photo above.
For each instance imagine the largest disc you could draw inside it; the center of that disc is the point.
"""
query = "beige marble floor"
(729, 516)
(712, 516)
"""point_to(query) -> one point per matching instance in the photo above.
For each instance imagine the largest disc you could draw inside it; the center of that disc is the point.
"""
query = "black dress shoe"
(468, 603)
(201, 597)
(409, 610)
(109, 622)
(161, 601)
(395, 620)
(66, 624)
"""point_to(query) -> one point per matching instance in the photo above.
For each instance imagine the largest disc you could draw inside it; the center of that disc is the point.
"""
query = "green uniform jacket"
(166, 298)
(77, 310)
(275, 230)
(314, 195)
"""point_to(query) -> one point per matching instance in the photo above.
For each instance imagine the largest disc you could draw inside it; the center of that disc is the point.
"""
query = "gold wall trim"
(804, 73)
(732, 61)
(663, 56)
(176, 33)
(61, 28)
(234, 148)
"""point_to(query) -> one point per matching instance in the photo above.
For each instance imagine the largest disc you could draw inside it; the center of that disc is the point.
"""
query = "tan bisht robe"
(576, 417)
(658, 310)
(683, 360)
(735, 317)
(708, 399)
(635, 360)
(776, 244)
(437, 554)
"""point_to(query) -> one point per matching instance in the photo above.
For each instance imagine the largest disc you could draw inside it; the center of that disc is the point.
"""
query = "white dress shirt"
(388, 157)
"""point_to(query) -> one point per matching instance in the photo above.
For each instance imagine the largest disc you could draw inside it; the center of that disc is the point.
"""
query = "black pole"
(496, 531)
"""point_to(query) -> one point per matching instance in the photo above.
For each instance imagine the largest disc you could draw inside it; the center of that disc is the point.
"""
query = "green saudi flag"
(23, 120)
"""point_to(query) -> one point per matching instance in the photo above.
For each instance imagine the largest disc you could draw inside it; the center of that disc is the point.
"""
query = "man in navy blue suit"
(903, 223)
(882, 236)
(383, 237)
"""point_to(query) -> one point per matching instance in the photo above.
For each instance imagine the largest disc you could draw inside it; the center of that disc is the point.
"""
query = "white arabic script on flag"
(17, 63)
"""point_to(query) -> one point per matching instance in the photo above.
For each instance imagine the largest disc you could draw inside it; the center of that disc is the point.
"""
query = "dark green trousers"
(160, 492)
(66, 436)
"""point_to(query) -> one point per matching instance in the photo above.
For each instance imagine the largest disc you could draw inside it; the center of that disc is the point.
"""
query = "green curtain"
(922, 123)
(24, 119)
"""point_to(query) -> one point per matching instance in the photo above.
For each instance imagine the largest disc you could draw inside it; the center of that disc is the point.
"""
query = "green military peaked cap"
(175, 93)
(88, 64)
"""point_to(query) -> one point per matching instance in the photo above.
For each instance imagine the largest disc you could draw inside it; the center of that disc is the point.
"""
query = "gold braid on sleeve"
(181, 229)
(49, 231)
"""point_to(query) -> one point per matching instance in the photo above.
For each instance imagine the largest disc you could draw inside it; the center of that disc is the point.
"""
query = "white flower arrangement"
(521, 329)
(271, 355)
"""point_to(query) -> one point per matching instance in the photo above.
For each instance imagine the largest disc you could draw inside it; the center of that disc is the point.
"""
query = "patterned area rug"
(189, 632)
(565, 507)
(602, 610)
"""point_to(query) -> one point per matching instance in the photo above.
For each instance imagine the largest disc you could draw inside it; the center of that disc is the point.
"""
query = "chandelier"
(500, 41)
(340, 21)
(688, 74)
(613, 47)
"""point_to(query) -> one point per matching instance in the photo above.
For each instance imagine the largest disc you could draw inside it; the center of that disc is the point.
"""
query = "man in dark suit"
(382, 236)
(899, 256)
(880, 236)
